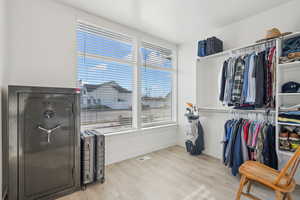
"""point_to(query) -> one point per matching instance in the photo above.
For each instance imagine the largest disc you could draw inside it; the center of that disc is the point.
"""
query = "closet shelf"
(223, 53)
(295, 34)
(210, 109)
(287, 153)
(295, 64)
(288, 94)
(288, 124)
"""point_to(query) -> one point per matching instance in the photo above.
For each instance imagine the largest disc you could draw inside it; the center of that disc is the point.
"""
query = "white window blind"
(157, 73)
(105, 74)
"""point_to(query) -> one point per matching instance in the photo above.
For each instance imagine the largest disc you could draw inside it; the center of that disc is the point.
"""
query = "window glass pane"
(156, 95)
(105, 76)
(106, 94)
(156, 56)
(95, 44)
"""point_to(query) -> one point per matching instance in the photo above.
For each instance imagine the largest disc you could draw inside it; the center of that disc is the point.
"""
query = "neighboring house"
(109, 94)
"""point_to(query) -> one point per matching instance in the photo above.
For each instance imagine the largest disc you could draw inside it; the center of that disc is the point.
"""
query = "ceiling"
(175, 20)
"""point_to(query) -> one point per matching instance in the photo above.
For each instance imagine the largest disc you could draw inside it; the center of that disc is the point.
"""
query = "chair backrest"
(290, 168)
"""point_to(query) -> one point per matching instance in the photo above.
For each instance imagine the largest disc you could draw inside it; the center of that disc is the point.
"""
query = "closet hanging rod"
(252, 47)
(223, 110)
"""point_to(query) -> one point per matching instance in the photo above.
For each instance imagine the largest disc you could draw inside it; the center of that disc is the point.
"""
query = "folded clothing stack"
(291, 45)
(289, 117)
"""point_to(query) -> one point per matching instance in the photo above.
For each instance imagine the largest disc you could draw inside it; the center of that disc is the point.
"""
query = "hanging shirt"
(238, 81)
(223, 81)
(251, 80)
(260, 143)
(245, 85)
(227, 135)
(269, 151)
(259, 79)
(237, 153)
(230, 149)
(229, 81)
(272, 69)
(244, 142)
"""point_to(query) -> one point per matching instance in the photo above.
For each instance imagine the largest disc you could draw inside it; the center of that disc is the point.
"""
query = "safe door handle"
(49, 131)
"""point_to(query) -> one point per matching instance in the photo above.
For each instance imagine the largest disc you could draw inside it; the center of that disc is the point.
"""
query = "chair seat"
(265, 175)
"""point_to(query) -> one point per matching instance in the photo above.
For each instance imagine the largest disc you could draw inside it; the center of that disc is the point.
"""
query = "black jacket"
(269, 151)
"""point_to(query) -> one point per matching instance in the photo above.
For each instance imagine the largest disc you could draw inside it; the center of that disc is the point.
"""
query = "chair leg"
(242, 184)
(249, 187)
(289, 196)
(279, 195)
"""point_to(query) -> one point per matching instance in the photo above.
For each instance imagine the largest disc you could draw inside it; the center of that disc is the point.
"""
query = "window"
(157, 74)
(108, 80)
(105, 73)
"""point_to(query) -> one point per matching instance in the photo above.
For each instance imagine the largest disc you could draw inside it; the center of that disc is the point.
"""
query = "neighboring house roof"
(119, 88)
(90, 87)
(115, 85)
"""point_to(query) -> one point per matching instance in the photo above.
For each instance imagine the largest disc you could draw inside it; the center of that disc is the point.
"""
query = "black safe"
(43, 142)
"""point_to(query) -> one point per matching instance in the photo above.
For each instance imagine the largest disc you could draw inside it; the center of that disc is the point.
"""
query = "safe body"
(44, 142)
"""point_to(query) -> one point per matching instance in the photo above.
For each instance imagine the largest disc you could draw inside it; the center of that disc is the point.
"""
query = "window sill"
(136, 131)
(171, 124)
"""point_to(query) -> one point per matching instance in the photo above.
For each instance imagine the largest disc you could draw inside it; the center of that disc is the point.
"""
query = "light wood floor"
(170, 174)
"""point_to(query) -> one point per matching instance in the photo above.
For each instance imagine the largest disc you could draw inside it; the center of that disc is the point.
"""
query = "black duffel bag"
(213, 45)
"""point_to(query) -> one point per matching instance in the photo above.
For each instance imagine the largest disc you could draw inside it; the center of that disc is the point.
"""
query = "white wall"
(2, 64)
(286, 17)
(42, 52)
(186, 83)
(42, 44)
(125, 146)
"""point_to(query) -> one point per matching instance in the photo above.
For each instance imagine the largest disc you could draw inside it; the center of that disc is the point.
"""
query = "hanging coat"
(269, 152)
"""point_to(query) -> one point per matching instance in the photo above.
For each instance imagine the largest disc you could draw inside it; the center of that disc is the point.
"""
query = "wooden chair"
(282, 182)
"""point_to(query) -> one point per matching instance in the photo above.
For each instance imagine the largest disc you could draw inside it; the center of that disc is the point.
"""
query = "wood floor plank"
(170, 174)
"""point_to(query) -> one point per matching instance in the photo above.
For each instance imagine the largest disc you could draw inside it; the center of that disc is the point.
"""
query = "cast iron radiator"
(92, 157)
(44, 142)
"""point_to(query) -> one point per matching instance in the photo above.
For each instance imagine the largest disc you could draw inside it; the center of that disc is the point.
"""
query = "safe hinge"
(73, 174)
(73, 109)
(73, 171)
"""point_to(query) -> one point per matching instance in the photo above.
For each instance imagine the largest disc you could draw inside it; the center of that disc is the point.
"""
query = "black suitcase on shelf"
(213, 45)
(87, 157)
(202, 48)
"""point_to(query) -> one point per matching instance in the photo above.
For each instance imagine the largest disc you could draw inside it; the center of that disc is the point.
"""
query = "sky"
(155, 83)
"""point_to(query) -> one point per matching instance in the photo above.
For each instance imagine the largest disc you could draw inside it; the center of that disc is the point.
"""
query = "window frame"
(136, 63)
